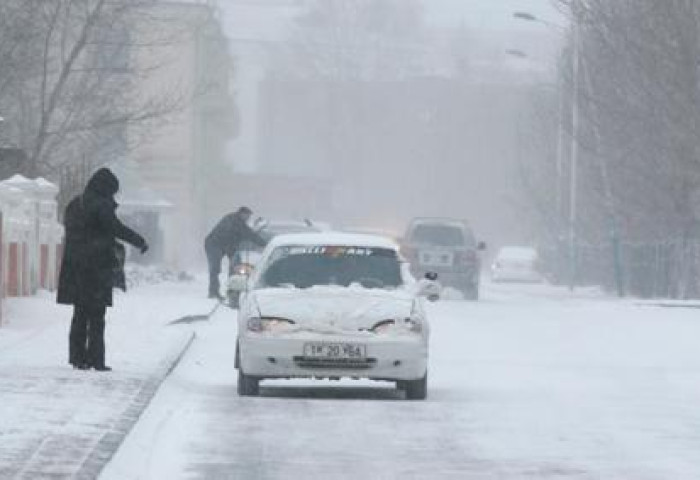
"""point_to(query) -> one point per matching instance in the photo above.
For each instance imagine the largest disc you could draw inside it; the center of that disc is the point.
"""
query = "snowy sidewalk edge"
(107, 446)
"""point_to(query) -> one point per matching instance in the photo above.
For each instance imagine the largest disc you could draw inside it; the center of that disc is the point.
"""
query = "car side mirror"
(238, 283)
(481, 246)
(429, 289)
(432, 276)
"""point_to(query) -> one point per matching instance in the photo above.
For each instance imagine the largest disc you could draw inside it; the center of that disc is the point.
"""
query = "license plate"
(334, 350)
(436, 258)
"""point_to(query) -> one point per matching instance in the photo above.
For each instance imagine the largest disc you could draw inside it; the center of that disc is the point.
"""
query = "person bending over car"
(224, 240)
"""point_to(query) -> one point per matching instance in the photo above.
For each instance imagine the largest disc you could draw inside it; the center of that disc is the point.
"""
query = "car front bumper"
(513, 275)
(401, 357)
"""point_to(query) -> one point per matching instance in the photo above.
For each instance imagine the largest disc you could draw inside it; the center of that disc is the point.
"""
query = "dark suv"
(446, 247)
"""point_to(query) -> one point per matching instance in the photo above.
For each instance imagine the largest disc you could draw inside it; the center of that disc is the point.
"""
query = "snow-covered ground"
(56, 422)
(530, 382)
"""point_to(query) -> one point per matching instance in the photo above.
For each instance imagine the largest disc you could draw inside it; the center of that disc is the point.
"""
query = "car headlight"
(389, 325)
(244, 269)
(383, 326)
(269, 324)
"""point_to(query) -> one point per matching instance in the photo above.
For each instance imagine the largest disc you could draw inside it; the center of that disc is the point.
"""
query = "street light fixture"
(516, 53)
(525, 16)
(573, 178)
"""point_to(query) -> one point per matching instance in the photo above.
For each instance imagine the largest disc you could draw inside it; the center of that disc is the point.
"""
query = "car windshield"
(309, 266)
(441, 235)
(272, 230)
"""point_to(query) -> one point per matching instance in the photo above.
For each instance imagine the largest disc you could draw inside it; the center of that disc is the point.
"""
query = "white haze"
(469, 170)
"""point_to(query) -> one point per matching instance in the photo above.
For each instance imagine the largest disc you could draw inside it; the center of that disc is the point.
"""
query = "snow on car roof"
(285, 223)
(453, 222)
(334, 239)
(517, 253)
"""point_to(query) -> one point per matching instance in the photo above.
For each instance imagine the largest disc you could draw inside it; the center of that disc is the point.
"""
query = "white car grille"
(340, 363)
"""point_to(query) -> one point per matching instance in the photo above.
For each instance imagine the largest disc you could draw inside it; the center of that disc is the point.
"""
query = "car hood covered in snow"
(334, 308)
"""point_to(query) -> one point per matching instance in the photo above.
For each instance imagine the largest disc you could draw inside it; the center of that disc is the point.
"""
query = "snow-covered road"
(527, 383)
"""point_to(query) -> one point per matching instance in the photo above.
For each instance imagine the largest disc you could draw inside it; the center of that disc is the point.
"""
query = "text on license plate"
(436, 258)
(334, 350)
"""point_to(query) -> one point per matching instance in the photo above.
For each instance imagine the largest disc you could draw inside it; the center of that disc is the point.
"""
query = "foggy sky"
(493, 26)
(488, 14)
(492, 29)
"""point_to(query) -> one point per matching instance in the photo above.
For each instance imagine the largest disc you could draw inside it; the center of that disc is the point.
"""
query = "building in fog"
(256, 31)
(448, 138)
(183, 156)
(397, 149)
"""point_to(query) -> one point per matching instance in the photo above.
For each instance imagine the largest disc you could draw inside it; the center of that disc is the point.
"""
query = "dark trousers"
(87, 341)
(214, 257)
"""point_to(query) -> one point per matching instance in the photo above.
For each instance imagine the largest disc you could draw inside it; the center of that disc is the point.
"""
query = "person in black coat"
(224, 239)
(91, 263)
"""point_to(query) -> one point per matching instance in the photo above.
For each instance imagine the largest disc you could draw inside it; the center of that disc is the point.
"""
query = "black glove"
(144, 247)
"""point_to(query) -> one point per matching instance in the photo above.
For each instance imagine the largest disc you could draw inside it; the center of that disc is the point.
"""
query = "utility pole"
(573, 185)
(572, 240)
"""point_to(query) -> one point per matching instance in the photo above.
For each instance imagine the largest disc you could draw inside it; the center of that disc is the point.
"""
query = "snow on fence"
(30, 236)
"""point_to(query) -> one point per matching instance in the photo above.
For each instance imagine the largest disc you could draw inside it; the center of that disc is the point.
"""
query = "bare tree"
(68, 90)
(640, 109)
(356, 40)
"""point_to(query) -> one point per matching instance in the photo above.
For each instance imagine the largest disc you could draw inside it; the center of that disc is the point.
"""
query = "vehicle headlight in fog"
(383, 326)
(243, 269)
(269, 324)
(389, 325)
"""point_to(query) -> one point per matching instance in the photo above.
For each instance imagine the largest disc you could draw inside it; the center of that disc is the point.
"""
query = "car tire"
(417, 389)
(248, 386)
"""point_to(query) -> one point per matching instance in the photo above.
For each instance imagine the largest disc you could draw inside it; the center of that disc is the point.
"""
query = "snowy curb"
(106, 447)
(670, 304)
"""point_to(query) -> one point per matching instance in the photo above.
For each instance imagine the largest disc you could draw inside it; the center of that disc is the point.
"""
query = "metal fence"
(668, 269)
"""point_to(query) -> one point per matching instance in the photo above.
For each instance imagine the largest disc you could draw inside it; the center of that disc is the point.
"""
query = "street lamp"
(516, 53)
(526, 16)
(573, 178)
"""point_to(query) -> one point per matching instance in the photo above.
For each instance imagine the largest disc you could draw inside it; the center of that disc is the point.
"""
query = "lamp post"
(574, 147)
(513, 52)
(573, 187)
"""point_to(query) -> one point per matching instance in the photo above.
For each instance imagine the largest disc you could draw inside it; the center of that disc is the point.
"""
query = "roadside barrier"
(30, 236)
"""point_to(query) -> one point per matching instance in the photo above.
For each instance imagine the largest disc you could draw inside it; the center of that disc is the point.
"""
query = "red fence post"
(59, 260)
(44, 266)
(13, 269)
(26, 271)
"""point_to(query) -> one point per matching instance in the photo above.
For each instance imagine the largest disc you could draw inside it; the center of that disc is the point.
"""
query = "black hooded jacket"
(89, 259)
(227, 236)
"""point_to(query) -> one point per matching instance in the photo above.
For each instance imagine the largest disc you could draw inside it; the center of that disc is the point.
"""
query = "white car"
(249, 254)
(516, 264)
(332, 305)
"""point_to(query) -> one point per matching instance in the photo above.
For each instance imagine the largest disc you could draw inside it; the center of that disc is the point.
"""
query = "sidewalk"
(56, 422)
